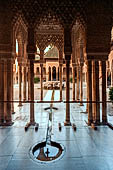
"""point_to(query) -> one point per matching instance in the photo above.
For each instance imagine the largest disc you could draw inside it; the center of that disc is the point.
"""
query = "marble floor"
(85, 148)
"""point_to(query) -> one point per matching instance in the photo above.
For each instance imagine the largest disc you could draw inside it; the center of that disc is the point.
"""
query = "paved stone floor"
(85, 149)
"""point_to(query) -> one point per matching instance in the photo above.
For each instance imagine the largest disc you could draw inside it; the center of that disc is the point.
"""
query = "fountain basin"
(44, 153)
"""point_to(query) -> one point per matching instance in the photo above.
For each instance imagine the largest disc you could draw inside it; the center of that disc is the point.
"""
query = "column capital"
(60, 61)
(41, 64)
(74, 64)
(31, 50)
(68, 57)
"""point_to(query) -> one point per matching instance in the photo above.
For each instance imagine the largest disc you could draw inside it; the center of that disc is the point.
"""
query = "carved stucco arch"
(44, 41)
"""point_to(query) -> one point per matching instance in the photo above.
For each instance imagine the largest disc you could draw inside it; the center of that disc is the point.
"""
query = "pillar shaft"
(9, 83)
(20, 87)
(73, 82)
(5, 88)
(87, 91)
(41, 81)
(67, 121)
(28, 81)
(32, 118)
(1, 91)
(93, 91)
(89, 83)
(81, 85)
(104, 106)
(60, 69)
(24, 83)
(77, 87)
(12, 89)
(112, 77)
(96, 81)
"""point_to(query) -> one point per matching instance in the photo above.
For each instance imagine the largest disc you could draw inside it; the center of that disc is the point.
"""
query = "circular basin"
(45, 153)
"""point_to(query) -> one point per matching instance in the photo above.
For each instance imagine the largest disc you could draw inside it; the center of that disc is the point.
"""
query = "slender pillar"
(89, 69)
(12, 89)
(24, 83)
(9, 83)
(86, 77)
(67, 121)
(112, 74)
(104, 106)
(81, 85)
(41, 81)
(87, 93)
(28, 81)
(1, 92)
(41, 75)
(5, 88)
(20, 87)
(67, 52)
(73, 82)
(32, 118)
(93, 91)
(97, 109)
(77, 87)
(60, 68)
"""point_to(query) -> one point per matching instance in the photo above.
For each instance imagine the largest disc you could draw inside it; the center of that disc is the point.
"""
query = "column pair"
(93, 92)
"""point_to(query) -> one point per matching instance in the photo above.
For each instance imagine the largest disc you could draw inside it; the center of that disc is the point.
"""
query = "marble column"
(42, 74)
(32, 117)
(1, 91)
(5, 88)
(56, 73)
(85, 77)
(73, 81)
(60, 70)
(104, 105)
(77, 86)
(93, 91)
(20, 87)
(89, 83)
(41, 81)
(9, 94)
(28, 80)
(24, 82)
(87, 92)
(81, 85)
(112, 74)
(96, 81)
(67, 121)
(12, 88)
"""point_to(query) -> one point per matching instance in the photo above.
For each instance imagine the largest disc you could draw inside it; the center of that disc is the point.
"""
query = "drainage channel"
(48, 150)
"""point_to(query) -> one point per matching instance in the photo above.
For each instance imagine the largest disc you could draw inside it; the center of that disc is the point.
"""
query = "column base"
(20, 105)
(89, 123)
(1, 121)
(81, 104)
(6, 123)
(97, 123)
(104, 122)
(32, 123)
(86, 110)
(67, 123)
